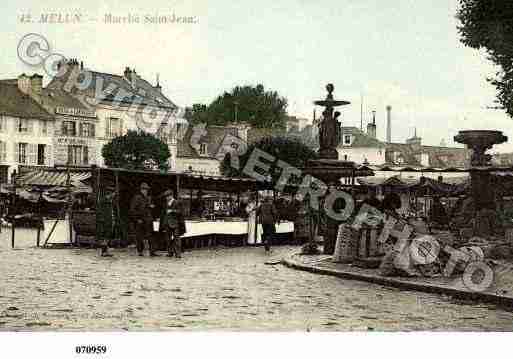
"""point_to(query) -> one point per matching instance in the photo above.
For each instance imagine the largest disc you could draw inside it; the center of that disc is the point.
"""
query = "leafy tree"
(251, 104)
(196, 114)
(488, 24)
(290, 151)
(136, 150)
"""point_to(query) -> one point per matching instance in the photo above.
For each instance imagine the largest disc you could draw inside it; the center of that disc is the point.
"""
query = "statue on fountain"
(329, 128)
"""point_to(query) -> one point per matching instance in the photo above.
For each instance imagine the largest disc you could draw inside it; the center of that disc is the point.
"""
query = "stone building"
(26, 127)
(203, 154)
(120, 103)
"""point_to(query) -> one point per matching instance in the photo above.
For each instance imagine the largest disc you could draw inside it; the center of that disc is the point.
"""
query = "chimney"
(389, 124)
(157, 86)
(36, 84)
(126, 73)
(371, 127)
(133, 79)
(31, 85)
(24, 83)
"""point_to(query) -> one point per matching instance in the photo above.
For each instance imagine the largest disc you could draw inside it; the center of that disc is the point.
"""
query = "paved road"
(229, 289)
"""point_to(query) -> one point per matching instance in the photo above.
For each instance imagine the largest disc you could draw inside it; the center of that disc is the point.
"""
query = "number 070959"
(91, 349)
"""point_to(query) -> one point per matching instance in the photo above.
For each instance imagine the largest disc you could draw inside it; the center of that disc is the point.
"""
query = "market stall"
(220, 195)
(44, 198)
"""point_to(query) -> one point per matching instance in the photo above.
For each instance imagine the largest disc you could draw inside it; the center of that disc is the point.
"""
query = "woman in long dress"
(251, 210)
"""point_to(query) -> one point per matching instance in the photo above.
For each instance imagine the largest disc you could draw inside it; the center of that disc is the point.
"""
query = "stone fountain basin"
(331, 103)
(481, 137)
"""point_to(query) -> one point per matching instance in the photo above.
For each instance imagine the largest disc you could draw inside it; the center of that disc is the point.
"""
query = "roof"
(13, 102)
(215, 138)
(437, 156)
(360, 138)
(142, 92)
(52, 98)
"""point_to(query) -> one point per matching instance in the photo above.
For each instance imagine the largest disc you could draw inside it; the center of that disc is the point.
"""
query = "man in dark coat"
(140, 213)
(268, 216)
(172, 224)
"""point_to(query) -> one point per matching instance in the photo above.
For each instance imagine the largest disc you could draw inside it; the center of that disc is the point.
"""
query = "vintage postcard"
(237, 166)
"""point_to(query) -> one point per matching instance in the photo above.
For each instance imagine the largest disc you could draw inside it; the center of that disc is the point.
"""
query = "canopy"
(53, 177)
(160, 181)
(392, 168)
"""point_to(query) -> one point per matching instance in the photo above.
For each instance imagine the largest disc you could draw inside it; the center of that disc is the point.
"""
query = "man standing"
(268, 216)
(172, 223)
(140, 213)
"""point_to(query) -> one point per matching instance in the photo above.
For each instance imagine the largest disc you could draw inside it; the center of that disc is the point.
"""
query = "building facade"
(26, 127)
(119, 103)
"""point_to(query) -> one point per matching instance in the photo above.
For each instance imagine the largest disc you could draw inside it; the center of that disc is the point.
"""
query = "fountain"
(483, 195)
(328, 168)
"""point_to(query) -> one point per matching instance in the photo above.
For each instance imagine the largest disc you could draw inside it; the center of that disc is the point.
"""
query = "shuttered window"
(69, 128)
(22, 153)
(3, 124)
(32, 154)
(114, 127)
(43, 125)
(3, 151)
(48, 155)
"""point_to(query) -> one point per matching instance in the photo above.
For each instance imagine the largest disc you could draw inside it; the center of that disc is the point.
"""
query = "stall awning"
(52, 178)
(160, 181)
(390, 168)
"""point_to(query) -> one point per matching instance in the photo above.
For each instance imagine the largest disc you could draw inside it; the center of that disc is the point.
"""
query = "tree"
(251, 104)
(136, 150)
(291, 151)
(488, 24)
(196, 114)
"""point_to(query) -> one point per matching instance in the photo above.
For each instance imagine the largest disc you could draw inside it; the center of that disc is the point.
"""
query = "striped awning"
(52, 178)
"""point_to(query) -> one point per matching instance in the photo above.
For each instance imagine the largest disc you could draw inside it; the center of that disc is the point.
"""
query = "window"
(347, 139)
(22, 152)
(23, 125)
(85, 155)
(203, 149)
(3, 151)
(69, 128)
(3, 124)
(87, 130)
(114, 127)
(41, 151)
(78, 155)
(44, 127)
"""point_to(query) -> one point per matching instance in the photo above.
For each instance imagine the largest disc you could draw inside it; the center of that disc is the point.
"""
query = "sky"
(402, 53)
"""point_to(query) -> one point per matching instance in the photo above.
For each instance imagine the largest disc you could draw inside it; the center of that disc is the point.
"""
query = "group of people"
(171, 225)
(265, 214)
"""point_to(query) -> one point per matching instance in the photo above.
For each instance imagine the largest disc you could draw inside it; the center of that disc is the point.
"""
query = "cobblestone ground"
(223, 289)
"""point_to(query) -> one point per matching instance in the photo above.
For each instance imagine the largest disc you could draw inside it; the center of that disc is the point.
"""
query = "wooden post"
(190, 202)
(13, 207)
(256, 217)
(117, 223)
(39, 219)
(70, 204)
